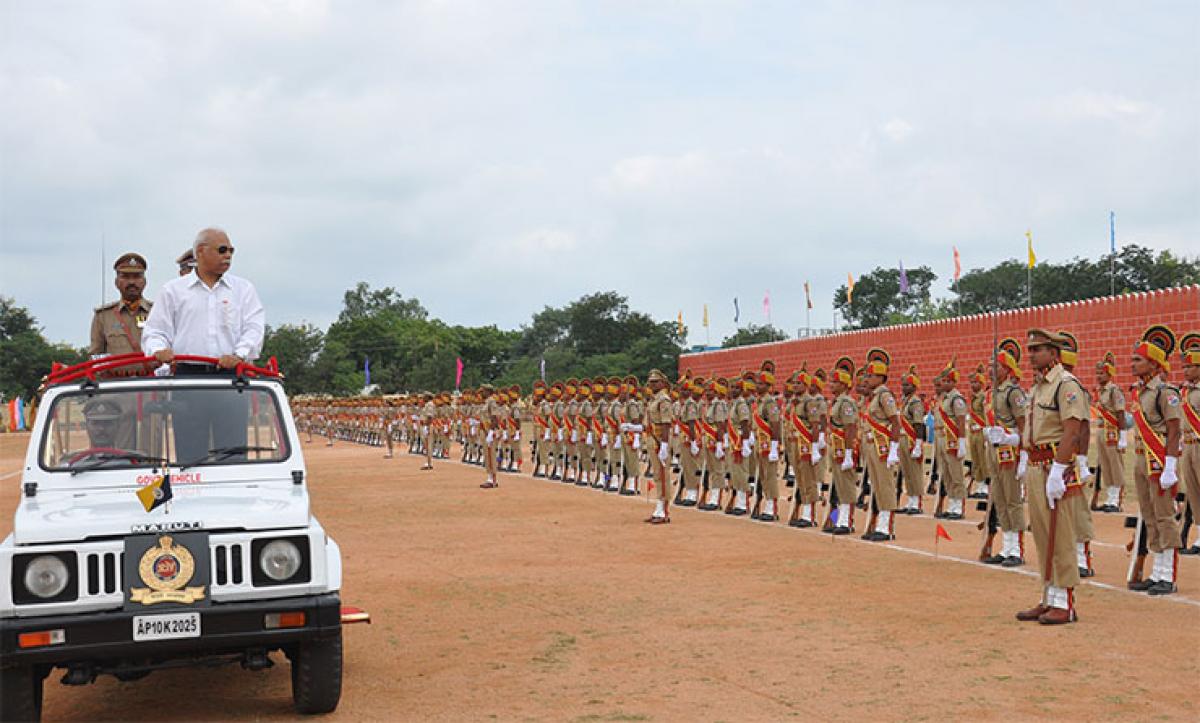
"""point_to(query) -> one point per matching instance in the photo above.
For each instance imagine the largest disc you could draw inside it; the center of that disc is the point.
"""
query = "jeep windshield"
(137, 428)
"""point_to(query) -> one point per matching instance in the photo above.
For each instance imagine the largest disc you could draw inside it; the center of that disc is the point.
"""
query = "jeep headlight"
(46, 576)
(279, 560)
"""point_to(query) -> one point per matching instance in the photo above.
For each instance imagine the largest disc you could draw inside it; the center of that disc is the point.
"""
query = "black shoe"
(805, 523)
(768, 517)
(755, 515)
(538, 475)
(1193, 550)
(878, 536)
(1141, 585)
(1162, 587)
(841, 530)
(581, 483)
(555, 476)
(952, 516)
(796, 522)
(939, 515)
(628, 493)
(1109, 508)
(1013, 561)
(686, 503)
(738, 513)
(1087, 572)
(913, 511)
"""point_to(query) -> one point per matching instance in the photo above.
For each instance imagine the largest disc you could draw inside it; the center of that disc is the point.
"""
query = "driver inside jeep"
(101, 419)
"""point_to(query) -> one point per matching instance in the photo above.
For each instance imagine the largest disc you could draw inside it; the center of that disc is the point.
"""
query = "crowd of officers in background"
(846, 444)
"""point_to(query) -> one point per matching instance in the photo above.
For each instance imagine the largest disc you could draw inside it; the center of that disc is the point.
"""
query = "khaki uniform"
(689, 463)
(1160, 403)
(766, 416)
(1111, 403)
(842, 414)
(1057, 396)
(716, 414)
(950, 467)
(587, 439)
(738, 466)
(634, 413)
(1008, 404)
(810, 411)
(117, 328)
(880, 410)
(659, 412)
(545, 440)
(982, 466)
(912, 414)
(1189, 462)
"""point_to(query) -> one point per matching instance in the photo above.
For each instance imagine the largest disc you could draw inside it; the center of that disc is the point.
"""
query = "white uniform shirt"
(191, 318)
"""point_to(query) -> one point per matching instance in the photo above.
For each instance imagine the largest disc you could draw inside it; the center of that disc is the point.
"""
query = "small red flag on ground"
(649, 485)
(941, 532)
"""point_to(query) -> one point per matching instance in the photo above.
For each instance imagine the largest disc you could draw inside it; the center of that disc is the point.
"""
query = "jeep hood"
(61, 516)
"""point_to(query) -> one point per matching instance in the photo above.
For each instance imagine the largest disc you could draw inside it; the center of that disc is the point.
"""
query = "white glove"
(962, 449)
(1081, 467)
(546, 436)
(893, 457)
(848, 460)
(1168, 478)
(624, 426)
(1022, 464)
(491, 436)
(695, 449)
(815, 456)
(725, 439)
(664, 452)
(604, 439)
(617, 442)
(821, 440)
(637, 440)
(589, 440)
(574, 436)
(751, 439)
(517, 436)
(773, 453)
(504, 435)
(1055, 486)
(747, 448)
(916, 450)
(1010, 439)
(719, 453)
(1122, 439)
(993, 434)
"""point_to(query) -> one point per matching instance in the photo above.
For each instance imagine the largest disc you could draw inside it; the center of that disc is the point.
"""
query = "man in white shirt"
(208, 312)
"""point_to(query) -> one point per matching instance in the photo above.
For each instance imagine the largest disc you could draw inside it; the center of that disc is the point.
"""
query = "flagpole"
(1112, 253)
(1028, 285)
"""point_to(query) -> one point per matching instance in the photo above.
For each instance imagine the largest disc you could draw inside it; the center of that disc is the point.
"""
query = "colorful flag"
(1032, 256)
(941, 532)
(957, 264)
(767, 304)
(367, 371)
(156, 493)
(903, 279)
(706, 316)
(1112, 232)
(679, 322)
(807, 295)
(737, 314)
(458, 369)
(849, 288)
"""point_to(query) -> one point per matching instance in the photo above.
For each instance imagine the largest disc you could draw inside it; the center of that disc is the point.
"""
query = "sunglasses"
(224, 250)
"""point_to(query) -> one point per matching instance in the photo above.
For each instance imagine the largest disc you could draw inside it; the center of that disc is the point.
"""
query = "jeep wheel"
(21, 694)
(317, 675)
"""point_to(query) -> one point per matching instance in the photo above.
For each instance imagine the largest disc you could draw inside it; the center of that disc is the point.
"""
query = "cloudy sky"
(494, 157)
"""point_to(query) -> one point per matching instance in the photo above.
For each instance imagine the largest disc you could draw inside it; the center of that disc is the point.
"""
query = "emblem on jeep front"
(166, 568)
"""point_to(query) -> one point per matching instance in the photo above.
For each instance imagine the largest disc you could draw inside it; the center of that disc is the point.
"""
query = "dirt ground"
(544, 601)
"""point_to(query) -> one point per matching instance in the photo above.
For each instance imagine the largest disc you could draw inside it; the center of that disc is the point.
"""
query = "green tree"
(877, 299)
(361, 302)
(297, 349)
(753, 334)
(25, 355)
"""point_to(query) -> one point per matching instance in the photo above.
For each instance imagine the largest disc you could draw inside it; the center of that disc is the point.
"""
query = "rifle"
(1096, 490)
(934, 477)
(941, 503)
(992, 521)
(1137, 549)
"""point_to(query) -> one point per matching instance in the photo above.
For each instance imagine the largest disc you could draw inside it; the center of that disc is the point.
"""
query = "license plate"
(166, 627)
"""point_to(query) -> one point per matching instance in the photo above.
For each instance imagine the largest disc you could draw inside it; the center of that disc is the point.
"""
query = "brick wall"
(1107, 324)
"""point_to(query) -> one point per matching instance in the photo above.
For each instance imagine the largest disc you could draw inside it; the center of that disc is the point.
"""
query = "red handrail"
(89, 369)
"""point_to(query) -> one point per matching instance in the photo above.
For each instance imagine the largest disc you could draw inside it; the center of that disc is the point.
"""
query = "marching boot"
(768, 510)
(1164, 566)
(1083, 558)
(660, 516)
(739, 504)
(1060, 608)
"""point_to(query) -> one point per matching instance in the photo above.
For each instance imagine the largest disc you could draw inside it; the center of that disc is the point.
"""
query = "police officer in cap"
(117, 327)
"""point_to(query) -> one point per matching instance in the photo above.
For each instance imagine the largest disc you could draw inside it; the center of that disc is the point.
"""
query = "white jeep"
(164, 521)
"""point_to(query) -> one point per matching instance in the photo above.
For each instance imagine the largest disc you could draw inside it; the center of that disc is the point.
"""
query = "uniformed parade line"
(1176, 597)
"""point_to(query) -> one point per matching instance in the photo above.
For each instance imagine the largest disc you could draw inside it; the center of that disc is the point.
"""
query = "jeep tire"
(21, 693)
(317, 675)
